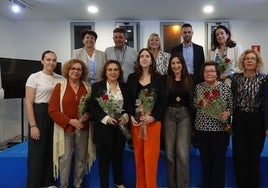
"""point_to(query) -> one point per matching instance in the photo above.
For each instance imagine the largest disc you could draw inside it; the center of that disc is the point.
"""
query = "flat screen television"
(15, 72)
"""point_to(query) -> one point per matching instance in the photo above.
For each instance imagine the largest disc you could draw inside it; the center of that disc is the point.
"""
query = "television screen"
(15, 72)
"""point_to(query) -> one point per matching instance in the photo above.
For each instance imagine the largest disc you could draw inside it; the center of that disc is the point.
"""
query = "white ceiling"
(139, 10)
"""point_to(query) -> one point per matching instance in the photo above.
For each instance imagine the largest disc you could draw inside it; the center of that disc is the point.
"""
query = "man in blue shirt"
(193, 54)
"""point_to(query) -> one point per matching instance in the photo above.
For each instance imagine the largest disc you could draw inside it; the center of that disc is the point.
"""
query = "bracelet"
(33, 126)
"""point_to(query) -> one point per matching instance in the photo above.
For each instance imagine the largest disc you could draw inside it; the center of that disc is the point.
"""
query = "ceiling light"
(92, 9)
(15, 8)
(16, 5)
(208, 9)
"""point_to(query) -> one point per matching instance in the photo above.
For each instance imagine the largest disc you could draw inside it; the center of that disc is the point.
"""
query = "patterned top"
(205, 122)
(248, 92)
(162, 62)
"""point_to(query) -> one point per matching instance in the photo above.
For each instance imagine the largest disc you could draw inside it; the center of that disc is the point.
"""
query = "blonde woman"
(248, 126)
(161, 58)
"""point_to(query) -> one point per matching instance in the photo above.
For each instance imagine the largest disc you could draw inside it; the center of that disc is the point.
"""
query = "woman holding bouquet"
(71, 132)
(146, 85)
(248, 125)
(177, 122)
(108, 102)
(213, 101)
(224, 51)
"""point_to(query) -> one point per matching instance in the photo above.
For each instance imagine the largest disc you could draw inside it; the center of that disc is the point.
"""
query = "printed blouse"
(205, 122)
(248, 92)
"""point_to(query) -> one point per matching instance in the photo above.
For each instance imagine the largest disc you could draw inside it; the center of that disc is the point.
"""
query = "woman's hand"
(111, 121)
(76, 123)
(84, 117)
(224, 115)
(223, 76)
(266, 132)
(147, 119)
(122, 120)
(134, 122)
(35, 133)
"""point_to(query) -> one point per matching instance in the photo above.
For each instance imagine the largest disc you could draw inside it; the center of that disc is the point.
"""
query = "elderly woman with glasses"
(248, 125)
(213, 101)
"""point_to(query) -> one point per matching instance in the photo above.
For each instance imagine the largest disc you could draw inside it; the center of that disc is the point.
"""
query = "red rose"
(105, 97)
(215, 93)
(210, 100)
(206, 95)
(147, 94)
(227, 60)
(201, 103)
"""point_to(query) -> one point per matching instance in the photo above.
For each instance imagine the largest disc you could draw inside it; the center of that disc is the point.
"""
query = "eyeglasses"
(111, 70)
(76, 69)
(250, 58)
(209, 71)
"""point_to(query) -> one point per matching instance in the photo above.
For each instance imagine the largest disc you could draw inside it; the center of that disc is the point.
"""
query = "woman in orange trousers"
(146, 98)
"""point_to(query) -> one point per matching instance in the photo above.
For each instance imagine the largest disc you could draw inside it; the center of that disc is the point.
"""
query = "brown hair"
(104, 69)
(89, 32)
(120, 30)
(68, 65)
(185, 76)
(152, 69)
(229, 43)
(210, 63)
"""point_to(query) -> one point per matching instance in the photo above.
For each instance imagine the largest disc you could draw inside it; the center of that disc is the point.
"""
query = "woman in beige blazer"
(95, 59)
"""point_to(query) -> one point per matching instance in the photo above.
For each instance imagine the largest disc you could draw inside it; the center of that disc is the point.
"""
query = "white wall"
(28, 39)
(7, 47)
(8, 108)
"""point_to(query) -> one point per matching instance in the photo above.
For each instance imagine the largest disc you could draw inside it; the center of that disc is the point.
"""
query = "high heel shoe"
(119, 186)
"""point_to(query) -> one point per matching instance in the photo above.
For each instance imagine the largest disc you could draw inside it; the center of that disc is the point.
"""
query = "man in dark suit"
(193, 54)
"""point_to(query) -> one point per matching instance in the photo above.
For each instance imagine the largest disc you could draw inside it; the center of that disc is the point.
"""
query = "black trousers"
(248, 142)
(212, 147)
(111, 152)
(40, 152)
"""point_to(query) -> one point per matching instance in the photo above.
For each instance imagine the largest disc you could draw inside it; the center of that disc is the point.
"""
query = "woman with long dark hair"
(177, 122)
(146, 86)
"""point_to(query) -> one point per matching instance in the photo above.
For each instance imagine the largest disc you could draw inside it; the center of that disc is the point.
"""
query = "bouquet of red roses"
(113, 109)
(212, 104)
(109, 105)
(147, 99)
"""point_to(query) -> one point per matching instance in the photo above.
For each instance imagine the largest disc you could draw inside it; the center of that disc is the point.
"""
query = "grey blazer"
(129, 59)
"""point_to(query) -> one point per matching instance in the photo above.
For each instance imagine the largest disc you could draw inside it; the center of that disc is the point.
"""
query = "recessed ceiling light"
(92, 9)
(15, 8)
(208, 9)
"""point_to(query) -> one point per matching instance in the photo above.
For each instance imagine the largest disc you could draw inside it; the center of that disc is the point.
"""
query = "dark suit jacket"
(103, 133)
(199, 59)
(157, 84)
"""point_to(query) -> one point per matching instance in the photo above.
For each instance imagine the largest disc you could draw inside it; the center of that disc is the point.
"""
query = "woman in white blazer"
(224, 49)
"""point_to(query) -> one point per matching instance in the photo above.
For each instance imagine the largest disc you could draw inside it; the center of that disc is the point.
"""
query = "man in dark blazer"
(193, 54)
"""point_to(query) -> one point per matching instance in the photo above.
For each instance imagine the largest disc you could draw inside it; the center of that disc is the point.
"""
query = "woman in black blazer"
(108, 99)
(146, 143)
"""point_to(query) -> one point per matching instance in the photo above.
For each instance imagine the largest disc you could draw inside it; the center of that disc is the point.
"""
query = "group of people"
(102, 96)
